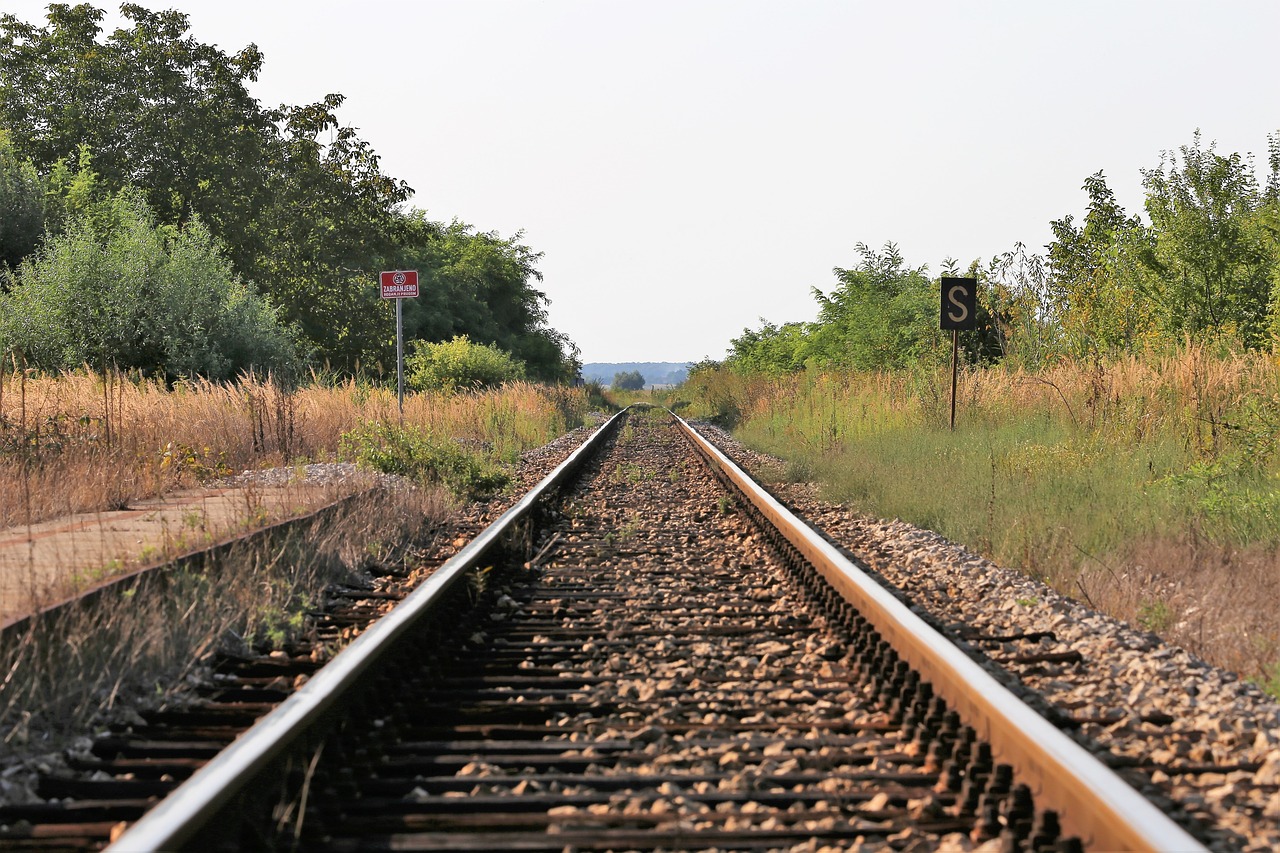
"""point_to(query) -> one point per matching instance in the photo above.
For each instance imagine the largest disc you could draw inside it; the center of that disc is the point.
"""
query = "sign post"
(959, 311)
(398, 285)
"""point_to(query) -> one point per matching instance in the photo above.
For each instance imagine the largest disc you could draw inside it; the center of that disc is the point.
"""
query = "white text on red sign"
(399, 284)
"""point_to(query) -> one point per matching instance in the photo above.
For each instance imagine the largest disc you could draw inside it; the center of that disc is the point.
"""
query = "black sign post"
(959, 312)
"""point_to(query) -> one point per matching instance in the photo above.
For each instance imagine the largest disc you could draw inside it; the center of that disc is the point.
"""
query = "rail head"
(1093, 802)
(181, 816)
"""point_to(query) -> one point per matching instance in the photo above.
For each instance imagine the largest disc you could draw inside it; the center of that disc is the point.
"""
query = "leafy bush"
(411, 452)
(115, 288)
(459, 364)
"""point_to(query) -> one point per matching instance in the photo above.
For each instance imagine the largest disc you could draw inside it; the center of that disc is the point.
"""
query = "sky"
(688, 168)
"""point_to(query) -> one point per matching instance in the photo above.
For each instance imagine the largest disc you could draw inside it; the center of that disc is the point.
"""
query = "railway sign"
(959, 313)
(959, 303)
(399, 284)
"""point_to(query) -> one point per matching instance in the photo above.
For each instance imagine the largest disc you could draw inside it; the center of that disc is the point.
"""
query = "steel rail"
(180, 817)
(1093, 802)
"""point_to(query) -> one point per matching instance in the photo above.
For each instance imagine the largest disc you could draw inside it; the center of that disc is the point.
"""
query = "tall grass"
(1147, 486)
(85, 442)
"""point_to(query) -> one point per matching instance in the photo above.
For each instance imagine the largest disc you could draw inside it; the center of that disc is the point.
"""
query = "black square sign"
(959, 303)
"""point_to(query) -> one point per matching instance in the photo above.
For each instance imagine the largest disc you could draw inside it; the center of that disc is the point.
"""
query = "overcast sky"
(689, 167)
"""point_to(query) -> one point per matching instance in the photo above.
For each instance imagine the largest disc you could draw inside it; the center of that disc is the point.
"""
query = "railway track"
(644, 661)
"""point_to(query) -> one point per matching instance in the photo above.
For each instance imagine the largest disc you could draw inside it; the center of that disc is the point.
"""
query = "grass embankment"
(86, 442)
(1147, 488)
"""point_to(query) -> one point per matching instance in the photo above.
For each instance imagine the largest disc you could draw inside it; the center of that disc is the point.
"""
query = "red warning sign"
(399, 284)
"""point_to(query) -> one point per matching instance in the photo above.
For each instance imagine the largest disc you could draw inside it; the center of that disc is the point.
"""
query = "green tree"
(883, 315)
(1099, 279)
(628, 380)
(1215, 251)
(298, 201)
(482, 285)
(159, 110)
(771, 349)
(21, 206)
(329, 229)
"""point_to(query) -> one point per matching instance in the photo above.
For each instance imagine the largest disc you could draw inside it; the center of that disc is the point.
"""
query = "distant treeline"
(1203, 266)
(154, 216)
(654, 372)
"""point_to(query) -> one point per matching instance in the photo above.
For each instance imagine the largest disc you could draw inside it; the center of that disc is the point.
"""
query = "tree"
(21, 206)
(628, 380)
(1214, 252)
(883, 315)
(329, 229)
(159, 110)
(299, 203)
(771, 349)
(481, 284)
(1098, 277)
(308, 220)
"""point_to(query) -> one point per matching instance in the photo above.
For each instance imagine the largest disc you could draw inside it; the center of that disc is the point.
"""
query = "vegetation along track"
(645, 666)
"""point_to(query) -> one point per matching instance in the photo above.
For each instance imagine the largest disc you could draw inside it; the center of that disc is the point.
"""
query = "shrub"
(115, 288)
(411, 452)
(458, 365)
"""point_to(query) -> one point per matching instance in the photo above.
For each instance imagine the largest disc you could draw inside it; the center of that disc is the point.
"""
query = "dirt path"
(44, 563)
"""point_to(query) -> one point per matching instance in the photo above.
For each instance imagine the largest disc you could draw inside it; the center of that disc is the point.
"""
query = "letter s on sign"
(953, 296)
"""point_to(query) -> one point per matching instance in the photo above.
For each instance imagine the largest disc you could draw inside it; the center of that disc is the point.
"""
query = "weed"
(1270, 680)
(1155, 616)
(411, 452)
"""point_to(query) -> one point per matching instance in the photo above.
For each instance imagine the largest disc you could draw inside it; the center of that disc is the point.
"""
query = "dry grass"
(1217, 602)
(86, 442)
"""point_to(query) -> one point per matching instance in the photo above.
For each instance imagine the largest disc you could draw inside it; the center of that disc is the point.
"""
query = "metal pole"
(955, 353)
(400, 360)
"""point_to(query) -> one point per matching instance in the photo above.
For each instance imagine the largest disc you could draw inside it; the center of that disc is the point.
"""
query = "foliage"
(771, 349)
(883, 315)
(410, 452)
(1216, 244)
(160, 110)
(481, 285)
(459, 365)
(1098, 277)
(115, 288)
(299, 202)
(330, 228)
(1015, 292)
(628, 380)
(21, 206)
(1204, 268)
